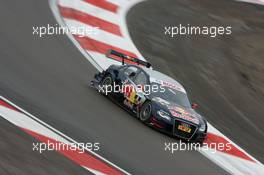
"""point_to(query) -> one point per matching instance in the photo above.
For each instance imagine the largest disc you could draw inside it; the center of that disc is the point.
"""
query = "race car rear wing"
(126, 58)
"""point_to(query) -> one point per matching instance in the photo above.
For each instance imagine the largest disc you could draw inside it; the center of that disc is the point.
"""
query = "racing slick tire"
(145, 112)
(107, 84)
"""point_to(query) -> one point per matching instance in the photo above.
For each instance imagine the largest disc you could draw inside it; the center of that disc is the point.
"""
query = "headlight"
(202, 127)
(164, 115)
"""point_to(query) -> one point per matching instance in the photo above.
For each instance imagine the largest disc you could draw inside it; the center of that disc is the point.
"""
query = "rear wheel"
(145, 112)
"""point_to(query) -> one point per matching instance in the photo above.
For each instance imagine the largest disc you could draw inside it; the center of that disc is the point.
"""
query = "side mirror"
(195, 105)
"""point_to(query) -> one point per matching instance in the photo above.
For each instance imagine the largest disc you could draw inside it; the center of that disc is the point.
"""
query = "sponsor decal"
(178, 110)
(185, 127)
(168, 84)
(183, 115)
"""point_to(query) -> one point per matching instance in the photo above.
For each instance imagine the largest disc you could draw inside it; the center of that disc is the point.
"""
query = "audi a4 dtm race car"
(155, 98)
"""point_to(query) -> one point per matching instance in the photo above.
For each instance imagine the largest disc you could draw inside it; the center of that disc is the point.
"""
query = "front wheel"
(145, 112)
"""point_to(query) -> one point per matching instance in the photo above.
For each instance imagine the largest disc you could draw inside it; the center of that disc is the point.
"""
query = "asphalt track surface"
(49, 78)
(17, 156)
(224, 75)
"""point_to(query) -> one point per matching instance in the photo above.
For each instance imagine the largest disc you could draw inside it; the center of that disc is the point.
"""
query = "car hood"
(178, 111)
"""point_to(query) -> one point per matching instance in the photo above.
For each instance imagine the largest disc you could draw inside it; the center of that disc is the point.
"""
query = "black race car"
(155, 98)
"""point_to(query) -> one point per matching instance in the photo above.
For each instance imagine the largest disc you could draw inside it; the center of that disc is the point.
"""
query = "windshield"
(171, 95)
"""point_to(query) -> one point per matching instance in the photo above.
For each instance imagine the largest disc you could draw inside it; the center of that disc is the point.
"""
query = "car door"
(140, 81)
(128, 85)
